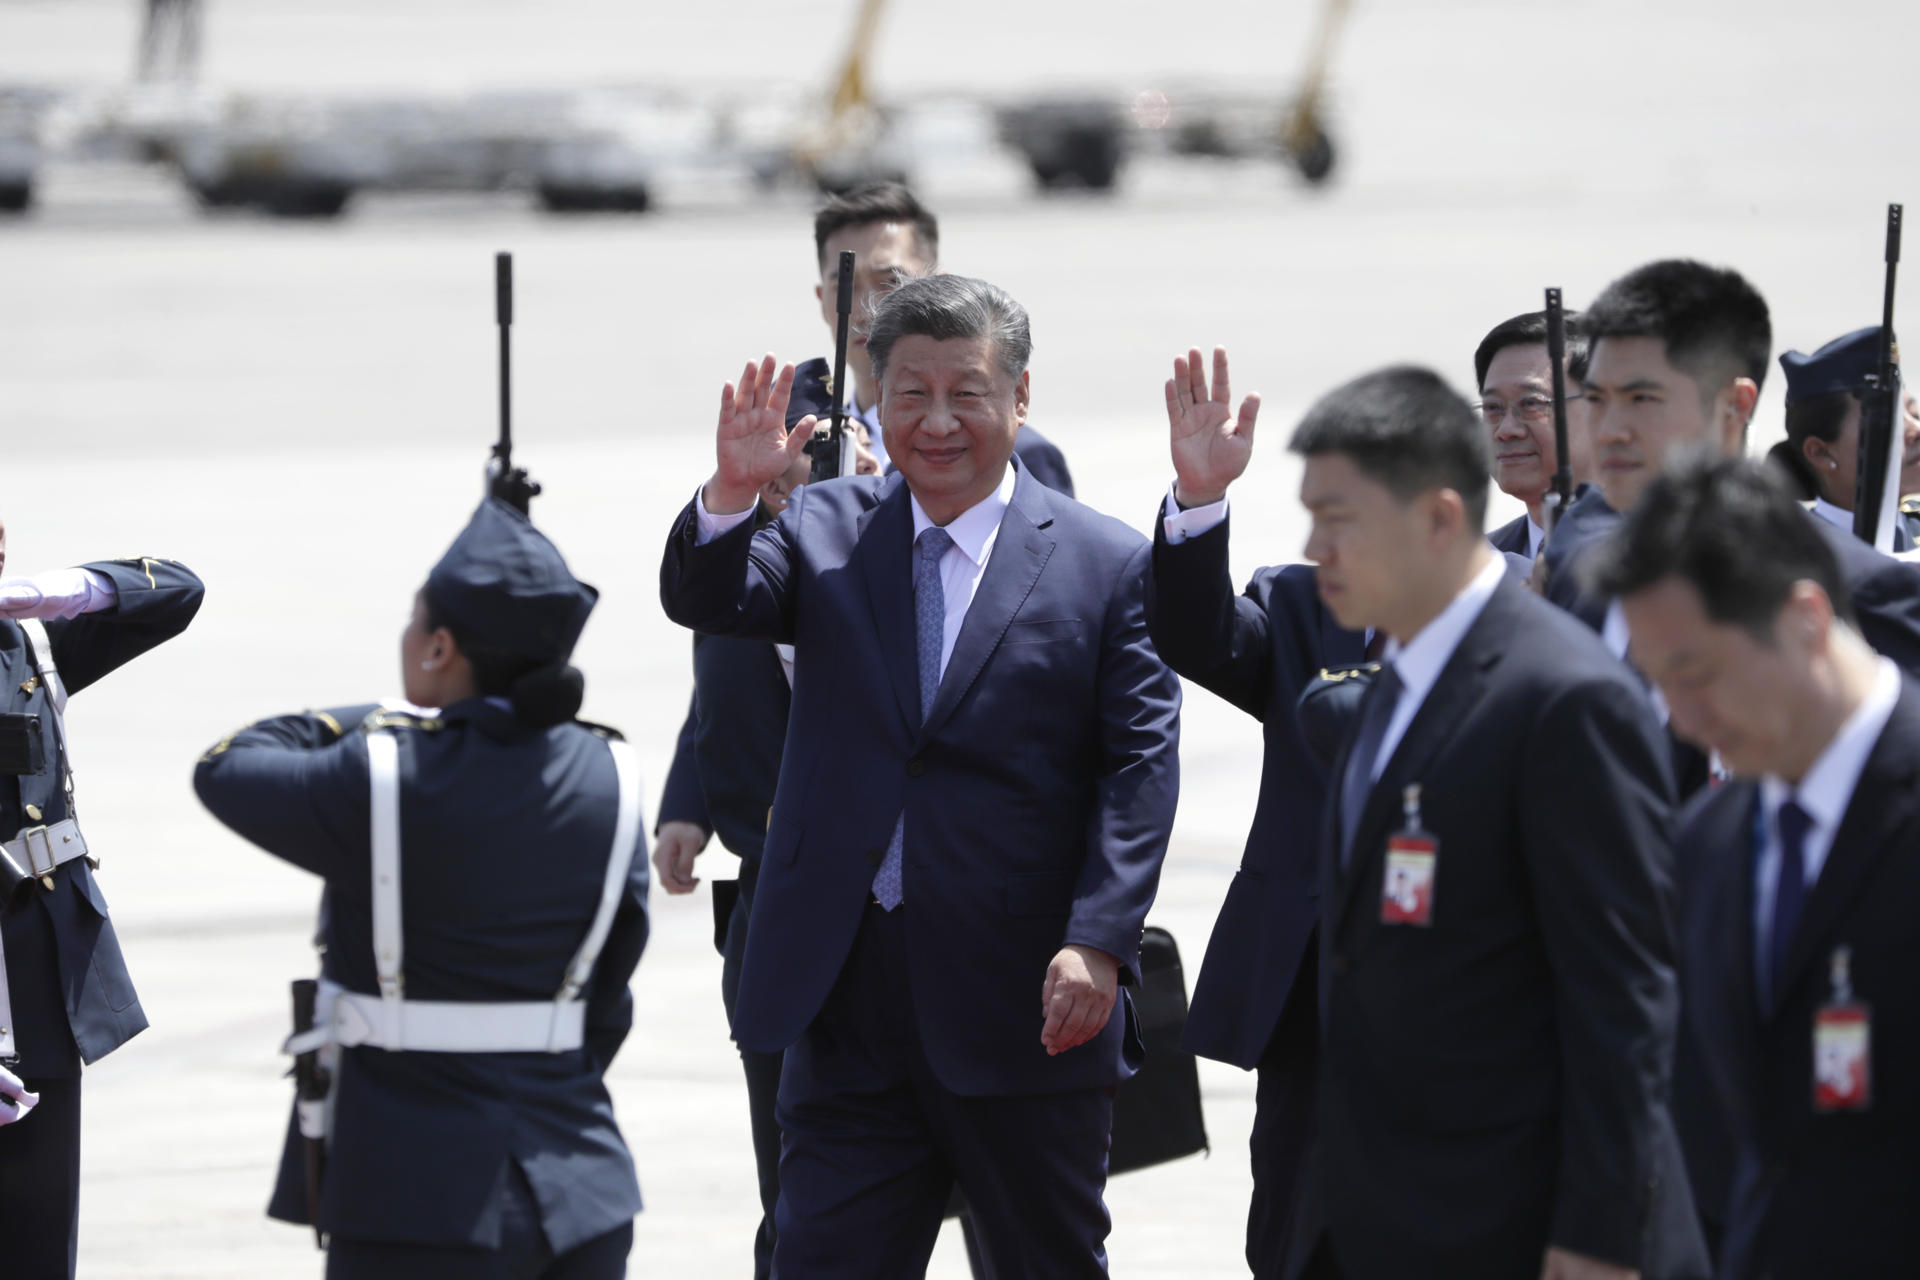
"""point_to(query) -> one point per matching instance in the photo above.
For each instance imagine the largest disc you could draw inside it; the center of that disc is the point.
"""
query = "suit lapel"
(883, 550)
(1020, 550)
(1445, 709)
(1883, 802)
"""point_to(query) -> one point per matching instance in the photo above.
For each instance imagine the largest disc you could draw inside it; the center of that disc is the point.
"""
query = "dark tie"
(1375, 714)
(1789, 894)
(930, 628)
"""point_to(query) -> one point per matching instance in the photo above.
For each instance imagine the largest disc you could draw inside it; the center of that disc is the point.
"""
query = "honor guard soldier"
(65, 997)
(487, 881)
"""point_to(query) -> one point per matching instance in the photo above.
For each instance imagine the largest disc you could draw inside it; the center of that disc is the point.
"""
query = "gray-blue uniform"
(472, 1162)
(67, 988)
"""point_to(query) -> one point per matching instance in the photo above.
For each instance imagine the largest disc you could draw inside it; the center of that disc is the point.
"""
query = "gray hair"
(943, 307)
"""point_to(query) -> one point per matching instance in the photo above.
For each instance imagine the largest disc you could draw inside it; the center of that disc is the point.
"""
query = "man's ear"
(1446, 514)
(1734, 407)
(1022, 396)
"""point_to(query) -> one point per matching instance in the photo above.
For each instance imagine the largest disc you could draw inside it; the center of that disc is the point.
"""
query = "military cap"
(1841, 365)
(503, 586)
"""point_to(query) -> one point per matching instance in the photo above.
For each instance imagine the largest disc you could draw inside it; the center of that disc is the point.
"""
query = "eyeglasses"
(1534, 411)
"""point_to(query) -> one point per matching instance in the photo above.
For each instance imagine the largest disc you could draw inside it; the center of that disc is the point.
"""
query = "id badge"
(1842, 1058)
(1406, 891)
(1413, 858)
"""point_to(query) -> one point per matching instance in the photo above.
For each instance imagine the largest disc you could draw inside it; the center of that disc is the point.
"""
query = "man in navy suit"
(1017, 743)
(1497, 996)
(1515, 378)
(65, 995)
(1679, 353)
(1254, 998)
(1801, 875)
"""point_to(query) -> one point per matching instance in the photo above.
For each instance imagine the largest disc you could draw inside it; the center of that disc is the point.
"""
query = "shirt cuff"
(709, 526)
(101, 593)
(1193, 521)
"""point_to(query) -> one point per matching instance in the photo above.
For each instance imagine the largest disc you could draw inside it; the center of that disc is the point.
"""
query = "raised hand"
(753, 445)
(1211, 447)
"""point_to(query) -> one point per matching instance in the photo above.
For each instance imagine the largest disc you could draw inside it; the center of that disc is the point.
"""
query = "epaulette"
(602, 730)
(385, 719)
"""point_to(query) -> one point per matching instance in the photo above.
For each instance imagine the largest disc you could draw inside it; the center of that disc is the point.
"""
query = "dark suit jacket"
(1513, 537)
(1497, 1083)
(72, 998)
(1258, 650)
(1814, 1195)
(812, 394)
(1038, 793)
(681, 799)
(505, 833)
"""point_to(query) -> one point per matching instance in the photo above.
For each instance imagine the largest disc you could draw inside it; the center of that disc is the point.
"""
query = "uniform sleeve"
(156, 599)
(1138, 783)
(295, 785)
(1598, 834)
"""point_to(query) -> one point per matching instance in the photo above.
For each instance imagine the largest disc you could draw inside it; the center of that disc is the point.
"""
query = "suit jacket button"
(916, 767)
(875, 857)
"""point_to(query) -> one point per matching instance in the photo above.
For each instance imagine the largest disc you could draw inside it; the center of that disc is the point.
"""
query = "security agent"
(1497, 997)
(1515, 378)
(65, 997)
(894, 238)
(1800, 877)
(1822, 450)
(1679, 351)
(469, 1131)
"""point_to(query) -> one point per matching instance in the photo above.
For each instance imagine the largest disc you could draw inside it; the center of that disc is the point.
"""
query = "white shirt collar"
(1419, 662)
(1833, 515)
(973, 529)
(1536, 538)
(1827, 789)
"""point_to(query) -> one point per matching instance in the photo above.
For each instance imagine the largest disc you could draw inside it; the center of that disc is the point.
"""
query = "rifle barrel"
(843, 305)
(503, 317)
(1562, 486)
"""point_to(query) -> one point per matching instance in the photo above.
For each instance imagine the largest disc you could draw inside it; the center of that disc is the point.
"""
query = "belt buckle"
(43, 874)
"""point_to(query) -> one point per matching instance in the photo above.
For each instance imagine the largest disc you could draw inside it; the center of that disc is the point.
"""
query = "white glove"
(59, 593)
(23, 1102)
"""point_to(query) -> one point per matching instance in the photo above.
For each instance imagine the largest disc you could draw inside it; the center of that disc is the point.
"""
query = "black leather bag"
(1156, 1115)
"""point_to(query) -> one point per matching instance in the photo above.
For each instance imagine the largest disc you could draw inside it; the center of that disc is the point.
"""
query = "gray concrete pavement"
(301, 413)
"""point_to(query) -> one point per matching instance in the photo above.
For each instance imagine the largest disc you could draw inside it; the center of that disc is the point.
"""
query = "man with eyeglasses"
(1516, 402)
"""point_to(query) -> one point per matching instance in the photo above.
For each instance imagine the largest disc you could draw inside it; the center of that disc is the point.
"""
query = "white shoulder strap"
(40, 649)
(383, 770)
(626, 831)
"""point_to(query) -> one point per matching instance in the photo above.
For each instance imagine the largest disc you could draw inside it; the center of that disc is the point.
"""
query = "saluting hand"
(753, 444)
(1077, 999)
(1211, 447)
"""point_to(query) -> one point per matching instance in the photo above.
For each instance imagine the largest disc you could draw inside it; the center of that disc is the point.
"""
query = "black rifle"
(827, 448)
(505, 481)
(1879, 405)
(1560, 489)
(311, 1083)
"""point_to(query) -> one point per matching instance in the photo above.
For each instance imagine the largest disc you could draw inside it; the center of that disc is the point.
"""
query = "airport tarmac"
(301, 413)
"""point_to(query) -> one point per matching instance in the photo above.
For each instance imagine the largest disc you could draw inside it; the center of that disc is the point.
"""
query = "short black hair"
(1713, 323)
(876, 202)
(1731, 529)
(1530, 330)
(1817, 417)
(943, 307)
(1404, 428)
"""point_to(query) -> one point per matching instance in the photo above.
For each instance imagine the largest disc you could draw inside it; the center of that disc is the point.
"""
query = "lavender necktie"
(930, 628)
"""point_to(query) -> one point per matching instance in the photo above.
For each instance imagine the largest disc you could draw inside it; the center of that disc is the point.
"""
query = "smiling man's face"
(1516, 402)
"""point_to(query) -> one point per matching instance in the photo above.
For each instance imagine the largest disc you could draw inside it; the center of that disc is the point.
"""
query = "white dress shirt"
(1825, 792)
(1420, 661)
(973, 531)
(1191, 522)
(1833, 515)
(1536, 538)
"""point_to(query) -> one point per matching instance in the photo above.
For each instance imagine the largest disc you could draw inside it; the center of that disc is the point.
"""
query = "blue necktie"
(1789, 894)
(1376, 714)
(930, 628)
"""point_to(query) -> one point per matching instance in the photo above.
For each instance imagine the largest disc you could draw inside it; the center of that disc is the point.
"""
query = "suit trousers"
(40, 1184)
(1283, 1109)
(523, 1253)
(874, 1143)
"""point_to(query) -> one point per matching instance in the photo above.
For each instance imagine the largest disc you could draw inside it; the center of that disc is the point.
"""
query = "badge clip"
(1842, 1044)
(1413, 858)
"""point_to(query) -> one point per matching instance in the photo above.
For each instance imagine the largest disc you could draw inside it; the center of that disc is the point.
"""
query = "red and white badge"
(1413, 859)
(1842, 1044)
